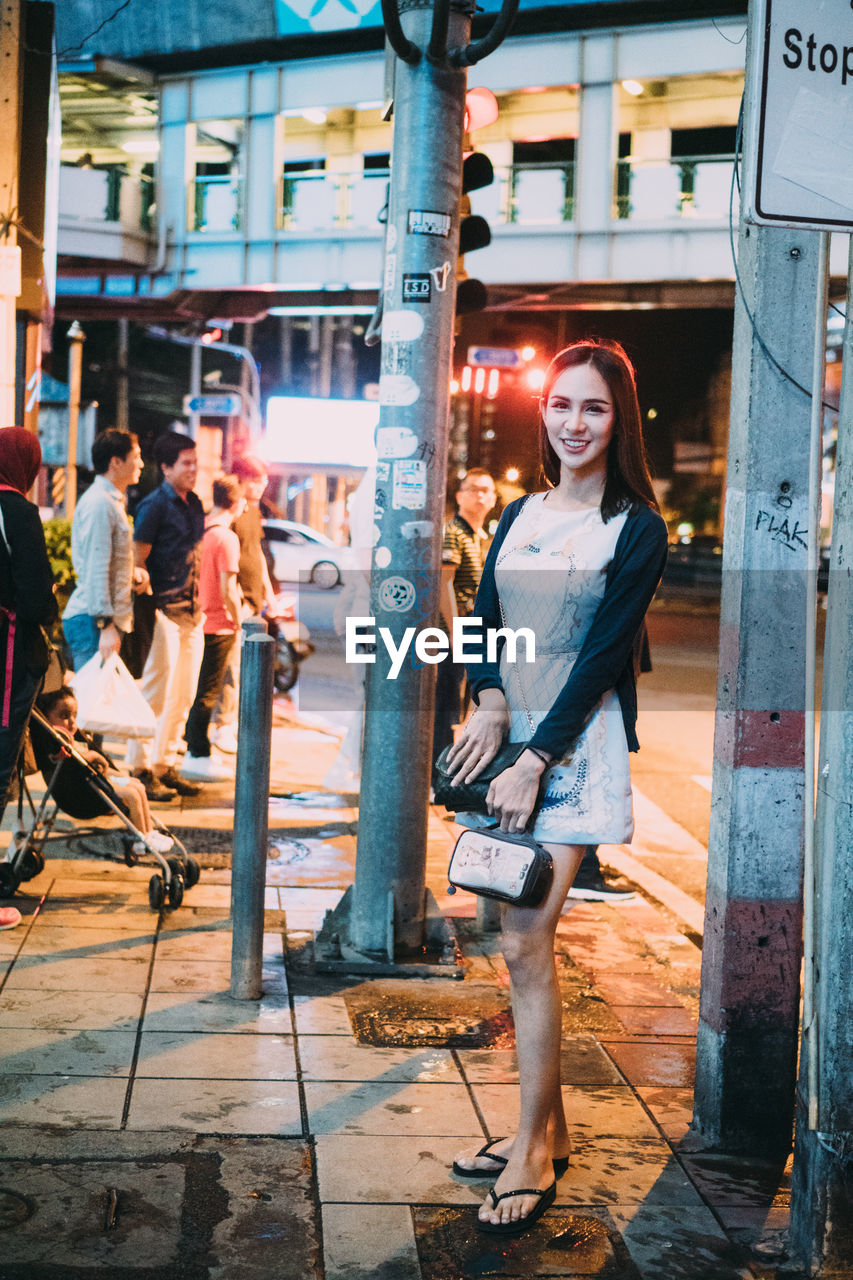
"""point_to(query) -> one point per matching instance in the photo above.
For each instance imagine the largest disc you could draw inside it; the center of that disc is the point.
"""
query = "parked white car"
(301, 554)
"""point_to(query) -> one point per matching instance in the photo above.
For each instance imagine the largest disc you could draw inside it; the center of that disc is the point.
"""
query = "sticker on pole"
(798, 152)
(402, 326)
(417, 286)
(409, 486)
(398, 389)
(428, 222)
(395, 442)
(397, 595)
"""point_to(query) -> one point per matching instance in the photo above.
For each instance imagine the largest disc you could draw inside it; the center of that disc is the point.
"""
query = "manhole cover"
(13, 1209)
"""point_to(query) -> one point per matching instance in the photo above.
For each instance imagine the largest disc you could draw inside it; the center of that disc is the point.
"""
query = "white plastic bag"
(109, 700)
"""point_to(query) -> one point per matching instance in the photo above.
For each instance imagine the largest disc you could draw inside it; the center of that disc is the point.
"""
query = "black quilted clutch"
(470, 797)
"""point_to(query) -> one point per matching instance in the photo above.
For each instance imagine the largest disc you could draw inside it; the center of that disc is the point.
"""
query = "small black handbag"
(470, 797)
(498, 864)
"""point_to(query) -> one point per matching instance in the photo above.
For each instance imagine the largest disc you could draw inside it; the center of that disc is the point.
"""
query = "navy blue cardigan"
(606, 657)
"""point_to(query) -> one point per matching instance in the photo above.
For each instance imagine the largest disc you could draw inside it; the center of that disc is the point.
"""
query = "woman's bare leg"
(528, 947)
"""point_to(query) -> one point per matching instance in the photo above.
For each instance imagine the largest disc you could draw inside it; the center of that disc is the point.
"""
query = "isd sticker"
(417, 287)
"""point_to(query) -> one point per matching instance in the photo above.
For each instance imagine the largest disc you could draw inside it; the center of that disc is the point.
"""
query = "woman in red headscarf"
(27, 601)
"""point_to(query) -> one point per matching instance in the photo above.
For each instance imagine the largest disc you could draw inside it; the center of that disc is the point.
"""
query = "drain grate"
(413, 1014)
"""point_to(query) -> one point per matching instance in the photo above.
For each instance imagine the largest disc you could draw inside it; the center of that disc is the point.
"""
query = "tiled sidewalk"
(151, 1126)
(119, 1039)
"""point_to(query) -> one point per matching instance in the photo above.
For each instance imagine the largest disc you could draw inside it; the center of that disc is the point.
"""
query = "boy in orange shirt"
(220, 600)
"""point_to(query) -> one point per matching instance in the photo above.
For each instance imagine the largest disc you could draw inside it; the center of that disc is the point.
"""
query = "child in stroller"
(77, 782)
(60, 711)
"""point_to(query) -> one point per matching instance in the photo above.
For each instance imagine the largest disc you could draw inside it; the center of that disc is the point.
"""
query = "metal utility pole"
(122, 375)
(747, 1045)
(821, 1233)
(76, 338)
(387, 916)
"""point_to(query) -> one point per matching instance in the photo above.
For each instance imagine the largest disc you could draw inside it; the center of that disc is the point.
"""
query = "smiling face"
(182, 476)
(579, 417)
(124, 472)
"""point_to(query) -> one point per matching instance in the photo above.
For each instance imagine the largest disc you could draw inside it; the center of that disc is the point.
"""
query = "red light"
(481, 108)
(212, 335)
(465, 380)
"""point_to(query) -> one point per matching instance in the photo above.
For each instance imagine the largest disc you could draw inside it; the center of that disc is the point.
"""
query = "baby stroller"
(80, 791)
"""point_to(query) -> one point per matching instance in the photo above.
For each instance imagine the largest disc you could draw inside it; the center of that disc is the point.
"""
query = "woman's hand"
(481, 737)
(512, 795)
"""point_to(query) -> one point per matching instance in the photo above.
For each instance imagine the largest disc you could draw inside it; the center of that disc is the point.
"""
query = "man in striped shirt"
(463, 554)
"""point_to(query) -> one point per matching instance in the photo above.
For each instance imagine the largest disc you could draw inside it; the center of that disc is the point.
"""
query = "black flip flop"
(462, 1172)
(561, 1164)
(546, 1199)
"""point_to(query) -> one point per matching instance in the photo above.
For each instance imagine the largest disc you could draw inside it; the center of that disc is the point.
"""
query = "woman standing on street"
(579, 564)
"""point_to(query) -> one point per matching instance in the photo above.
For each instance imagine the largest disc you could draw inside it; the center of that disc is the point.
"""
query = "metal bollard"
(251, 814)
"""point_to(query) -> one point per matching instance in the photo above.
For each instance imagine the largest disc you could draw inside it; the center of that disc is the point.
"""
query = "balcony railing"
(682, 187)
(216, 203)
(106, 195)
(319, 200)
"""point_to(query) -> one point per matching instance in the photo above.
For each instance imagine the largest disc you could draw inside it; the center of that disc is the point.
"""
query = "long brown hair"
(627, 480)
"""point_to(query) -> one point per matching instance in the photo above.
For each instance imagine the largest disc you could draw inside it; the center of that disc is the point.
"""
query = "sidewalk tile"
(84, 914)
(321, 1015)
(582, 1061)
(633, 988)
(335, 1058)
(267, 1221)
(76, 1102)
(190, 975)
(65, 1236)
(592, 1112)
(217, 1012)
(25, 1051)
(205, 894)
(655, 1020)
(208, 945)
(113, 944)
(79, 1010)
(654, 1061)
(381, 1170)
(738, 1181)
(667, 1244)
(216, 1106)
(394, 1110)
(187, 1055)
(561, 1244)
(366, 1242)
(671, 1108)
(55, 973)
(625, 1171)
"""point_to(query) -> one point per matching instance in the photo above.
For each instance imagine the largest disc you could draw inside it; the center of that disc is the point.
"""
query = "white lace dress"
(550, 577)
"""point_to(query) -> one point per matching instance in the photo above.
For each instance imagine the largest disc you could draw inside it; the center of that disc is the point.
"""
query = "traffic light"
(481, 108)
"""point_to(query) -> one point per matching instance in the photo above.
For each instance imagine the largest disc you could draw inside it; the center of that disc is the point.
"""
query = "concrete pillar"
(751, 957)
(596, 157)
(821, 1233)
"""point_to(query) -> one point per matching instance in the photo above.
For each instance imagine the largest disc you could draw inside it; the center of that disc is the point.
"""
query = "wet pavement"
(152, 1126)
